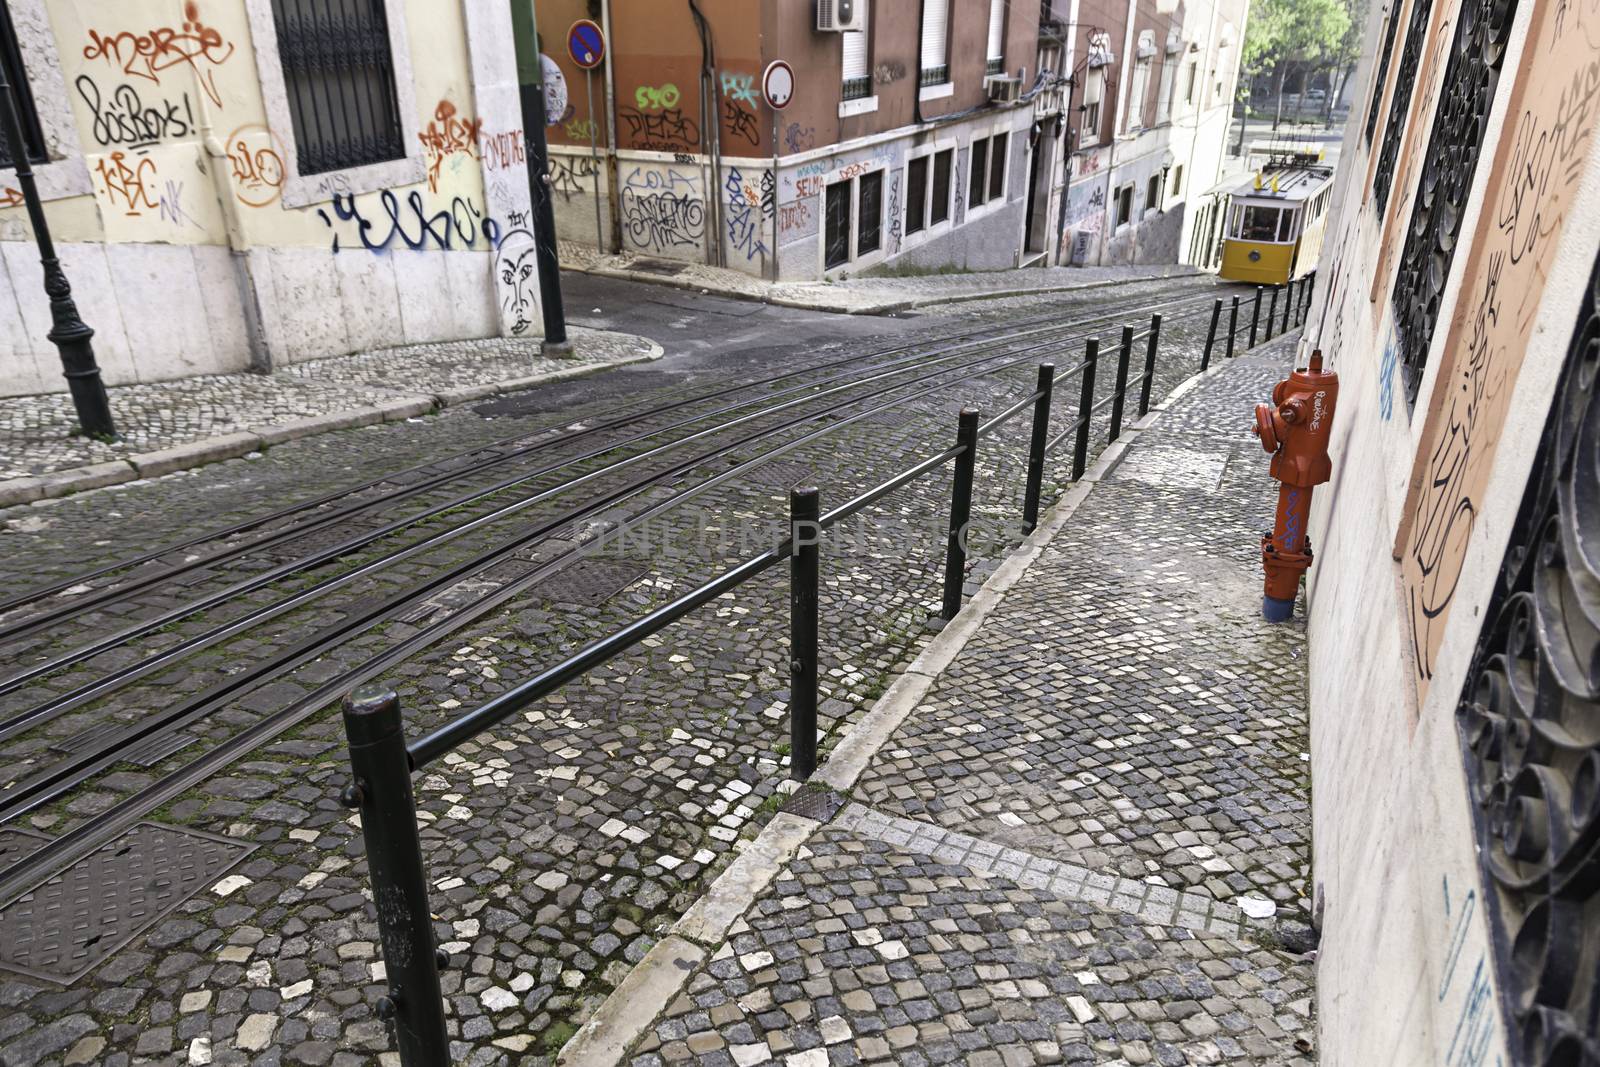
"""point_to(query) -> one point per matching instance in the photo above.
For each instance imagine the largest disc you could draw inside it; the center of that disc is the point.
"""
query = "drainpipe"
(221, 170)
(711, 129)
(613, 167)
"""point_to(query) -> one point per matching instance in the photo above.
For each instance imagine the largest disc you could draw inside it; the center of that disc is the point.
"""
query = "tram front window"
(1260, 224)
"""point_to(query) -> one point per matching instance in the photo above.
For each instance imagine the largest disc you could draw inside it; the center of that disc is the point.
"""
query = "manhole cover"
(783, 474)
(590, 581)
(65, 925)
(15, 844)
(815, 802)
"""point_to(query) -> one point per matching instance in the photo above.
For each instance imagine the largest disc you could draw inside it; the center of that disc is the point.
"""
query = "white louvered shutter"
(855, 45)
(997, 29)
(935, 28)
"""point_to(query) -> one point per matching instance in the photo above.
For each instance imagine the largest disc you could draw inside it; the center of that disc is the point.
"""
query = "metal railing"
(382, 761)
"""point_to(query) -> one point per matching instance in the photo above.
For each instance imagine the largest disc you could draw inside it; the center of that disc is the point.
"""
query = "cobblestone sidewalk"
(868, 295)
(155, 418)
(1087, 841)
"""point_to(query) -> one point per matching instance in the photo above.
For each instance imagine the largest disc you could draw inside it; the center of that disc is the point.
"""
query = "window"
(339, 77)
(1152, 191)
(939, 210)
(1191, 74)
(935, 56)
(1169, 71)
(869, 212)
(988, 178)
(836, 216)
(857, 75)
(997, 36)
(1176, 189)
(997, 166)
(22, 93)
(1093, 88)
(978, 190)
(1260, 224)
(917, 195)
(1124, 204)
(852, 219)
(1136, 94)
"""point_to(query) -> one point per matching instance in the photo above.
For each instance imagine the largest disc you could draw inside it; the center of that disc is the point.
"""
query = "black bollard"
(1080, 446)
(955, 553)
(805, 534)
(1041, 435)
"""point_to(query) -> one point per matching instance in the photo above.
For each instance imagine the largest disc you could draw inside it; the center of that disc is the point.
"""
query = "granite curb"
(191, 454)
(623, 1018)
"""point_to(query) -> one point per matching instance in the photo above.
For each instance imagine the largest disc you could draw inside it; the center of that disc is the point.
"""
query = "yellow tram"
(1276, 219)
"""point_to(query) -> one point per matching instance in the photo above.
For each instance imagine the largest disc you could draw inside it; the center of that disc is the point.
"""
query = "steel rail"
(108, 683)
(25, 597)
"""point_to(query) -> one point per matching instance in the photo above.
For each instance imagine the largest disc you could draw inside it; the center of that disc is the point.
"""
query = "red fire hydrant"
(1294, 429)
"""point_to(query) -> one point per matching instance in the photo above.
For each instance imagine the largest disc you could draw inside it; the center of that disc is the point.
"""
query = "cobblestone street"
(1088, 841)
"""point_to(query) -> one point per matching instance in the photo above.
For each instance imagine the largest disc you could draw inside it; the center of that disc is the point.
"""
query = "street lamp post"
(69, 332)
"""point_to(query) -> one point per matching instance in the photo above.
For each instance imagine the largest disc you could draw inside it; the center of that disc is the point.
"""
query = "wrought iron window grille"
(935, 75)
(338, 71)
(858, 88)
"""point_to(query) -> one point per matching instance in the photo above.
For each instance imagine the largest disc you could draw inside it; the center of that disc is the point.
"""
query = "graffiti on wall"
(663, 209)
(1532, 189)
(655, 98)
(448, 133)
(665, 131)
(797, 219)
(409, 223)
(888, 73)
(150, 53)
(743, 216)
(501, 150)
(799, 138)
(583, 130)
(128, 183)
(740, 122)
(894, 211)
(257, 165)
(740, 88)
(570, 175)
(123, 119)
(517, 272)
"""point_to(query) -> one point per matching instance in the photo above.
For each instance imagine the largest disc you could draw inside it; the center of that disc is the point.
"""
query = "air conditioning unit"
(840, 16)
(1004, 90)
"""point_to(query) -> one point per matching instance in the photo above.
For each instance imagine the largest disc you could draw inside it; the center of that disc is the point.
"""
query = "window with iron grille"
(856, 65)
(338, 71)
(934, 54)
(17, 76)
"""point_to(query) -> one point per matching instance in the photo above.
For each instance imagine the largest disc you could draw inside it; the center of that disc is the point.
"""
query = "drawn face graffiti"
(556, 110)
(519, 279)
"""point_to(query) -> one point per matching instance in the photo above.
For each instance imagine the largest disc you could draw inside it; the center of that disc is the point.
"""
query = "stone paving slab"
(166, 422)
(1087, 841)
(868, 295)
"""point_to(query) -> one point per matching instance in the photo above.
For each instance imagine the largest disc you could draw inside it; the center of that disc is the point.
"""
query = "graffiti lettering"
(257, 173)
(414, 226)
(128, 183)
(448, 134)
(769, 195)
(172, 209)
(651, 98)
(146, 55)
(662, 210)
(669, 131)
(739, 88)
(795, 219)
(888, 73)
(126, 120)
(799, 138)
(683, 157)
(10, 197)
(894, 212)
(739, 122)
(568, 172)
(583, 130)
(744, 225)
(501, 150)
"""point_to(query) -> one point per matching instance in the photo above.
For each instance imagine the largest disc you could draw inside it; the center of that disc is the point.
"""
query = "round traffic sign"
(586, 43)
(777, 84)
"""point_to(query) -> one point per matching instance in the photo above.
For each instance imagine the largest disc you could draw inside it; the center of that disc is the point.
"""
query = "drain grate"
(157, 747)
(67, 924)
(813, 801)
(15, 844)
(590, 582)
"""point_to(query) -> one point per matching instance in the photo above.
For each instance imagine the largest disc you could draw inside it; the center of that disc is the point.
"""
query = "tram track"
(65, 775)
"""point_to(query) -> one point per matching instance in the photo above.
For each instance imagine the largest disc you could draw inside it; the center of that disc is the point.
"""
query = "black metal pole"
(955, 552)
(1272, 312)
(382, 793)
(1124, 355)
(530, 79)
(1149, 365)
(1036, 446)
(1233, 324)
(1300, 303)
(1255, 319)
(805, 533)
(1288, 302)
(1080, 445)
(68, 332)
(1211, 334)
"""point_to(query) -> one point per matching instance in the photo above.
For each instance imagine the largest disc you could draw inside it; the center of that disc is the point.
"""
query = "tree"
(1293, 35)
